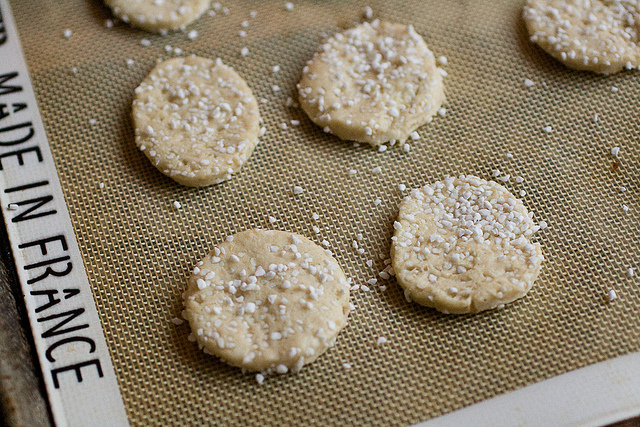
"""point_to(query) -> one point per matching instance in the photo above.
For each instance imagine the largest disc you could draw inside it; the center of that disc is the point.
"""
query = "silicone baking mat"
(138, 248)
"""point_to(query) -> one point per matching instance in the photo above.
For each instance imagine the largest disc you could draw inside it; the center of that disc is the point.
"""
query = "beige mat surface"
(139, 249)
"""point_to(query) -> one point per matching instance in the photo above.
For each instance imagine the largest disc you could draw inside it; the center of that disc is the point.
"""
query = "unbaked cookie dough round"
(462, 246)
(267, 301)
(593, 35)
(196, 120)
(157, 15)
(373, 83)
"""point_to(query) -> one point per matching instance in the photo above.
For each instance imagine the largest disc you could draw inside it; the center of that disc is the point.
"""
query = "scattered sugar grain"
(108, 23)
(377, 202)
(381, 340)
(414, 135)
(130, 62)
(612, 295)
(259, 378)
(315, 216)
(630, 272)
(368, 12)
(297, 190)
(12, 207)
(272, 219)
(542, 225)
(615, 151)
(614, 89)
(442, 112)
(67, 33)
(377, 169)
(145, 42)
(101, 185)
(177, 205)
(528, 83)
(443, 60)
(275, 68)
(346, 365)
(191, 35)
(177, 321)
(244, 51)
(547, 129)
(625, 208)
(406, 148)
(402, 187)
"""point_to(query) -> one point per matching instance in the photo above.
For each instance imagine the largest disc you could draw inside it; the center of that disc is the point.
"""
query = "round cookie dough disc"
(267, 301)
(373, 83)
(462, 246)
(196, 120)
(157, 15)
(596, 35)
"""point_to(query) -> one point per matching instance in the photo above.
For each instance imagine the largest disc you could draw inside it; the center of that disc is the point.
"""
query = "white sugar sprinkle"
(145, 42)
(192, 34)
(13, 207)
(542, 225)
(614, 89)
(612, 295)
(442, 60)
(625, 208)
(288, 6)
(108, 23)
(67, 33)
(615, 151)
(402, 187)
(275, 68)
(406, 148)
(377, 202)
(368, 12)
(259, 378)
(244, 51)
(442, 112)
(315, 216)
(177, 204)
(377, 169)
(381, 340)
(346, 365)
(630, 272)
(272, 219)
(528, 83)
(297, 190)
(129, 62)
(415, 135)
(177, 321)
(101, 185)
(547, 129)
(275, 88)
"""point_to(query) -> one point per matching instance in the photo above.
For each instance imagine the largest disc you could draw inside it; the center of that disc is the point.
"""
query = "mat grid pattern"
(139, 249)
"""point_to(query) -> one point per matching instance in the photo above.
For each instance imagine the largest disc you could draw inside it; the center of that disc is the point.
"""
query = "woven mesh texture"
(139, 249)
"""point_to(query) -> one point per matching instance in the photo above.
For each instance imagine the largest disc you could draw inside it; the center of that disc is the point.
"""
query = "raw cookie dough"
(157, 15)
(462, 246)
(594, 35)
(373, 83)
(196, 120)
(267, 301)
